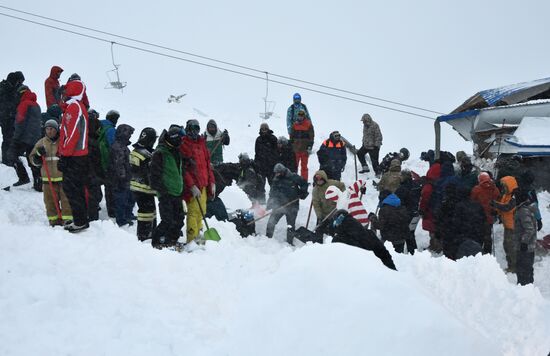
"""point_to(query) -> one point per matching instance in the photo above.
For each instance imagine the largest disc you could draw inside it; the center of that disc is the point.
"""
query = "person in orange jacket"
(483, 193)
(506, 206)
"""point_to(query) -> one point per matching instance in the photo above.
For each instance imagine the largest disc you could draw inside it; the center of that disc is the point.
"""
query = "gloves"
(195, 192)
(523, 247)
(212, 190)
(41, 151)
(363, 190)
(372, 215)
(61, 164)
(539, 225)
(225, 133)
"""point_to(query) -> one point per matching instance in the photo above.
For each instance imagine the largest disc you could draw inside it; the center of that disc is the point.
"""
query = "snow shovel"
(210, 233)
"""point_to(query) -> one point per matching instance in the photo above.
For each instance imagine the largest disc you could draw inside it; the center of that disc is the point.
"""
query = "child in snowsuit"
(166, 180)
(140, 165)
(44, 154)
(119, 175)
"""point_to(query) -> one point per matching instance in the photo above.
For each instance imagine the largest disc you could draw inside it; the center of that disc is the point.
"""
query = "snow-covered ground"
(102, 292)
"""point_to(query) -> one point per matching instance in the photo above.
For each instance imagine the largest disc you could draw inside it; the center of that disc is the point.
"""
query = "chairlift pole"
(266, 93)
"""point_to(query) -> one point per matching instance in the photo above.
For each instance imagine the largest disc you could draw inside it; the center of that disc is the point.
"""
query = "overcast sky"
(432, 54)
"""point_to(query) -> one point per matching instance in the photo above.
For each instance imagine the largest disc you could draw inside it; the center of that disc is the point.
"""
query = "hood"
(75, 89)
(447, 170)
(434, 172)
(28, 96)
(322, 174)
(392, 200)
(55, 72)
(123, 133)
(395, 165)
(367, 119)
(509, 183)
(280, 168)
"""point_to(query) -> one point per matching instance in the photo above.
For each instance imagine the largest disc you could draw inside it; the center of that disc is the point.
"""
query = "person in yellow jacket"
(57, 205)
(506, 206)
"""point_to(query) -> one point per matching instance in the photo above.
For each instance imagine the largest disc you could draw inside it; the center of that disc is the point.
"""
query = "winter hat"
(74, 76)
(91, 113)
(173, 136)
(51, 123)
(483, 177)
(280, 169)
(297, 96)
(243, 157)
(19, 77)
(264, 125)
(112, 115)
(192, 127)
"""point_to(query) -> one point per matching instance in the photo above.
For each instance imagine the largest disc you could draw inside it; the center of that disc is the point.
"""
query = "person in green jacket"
(166, 179)
(215, 140)
(323, 206)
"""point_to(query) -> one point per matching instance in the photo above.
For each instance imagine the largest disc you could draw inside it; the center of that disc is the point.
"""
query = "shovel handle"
(202, 212)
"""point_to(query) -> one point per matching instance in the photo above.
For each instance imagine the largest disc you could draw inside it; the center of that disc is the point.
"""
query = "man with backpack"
(105, 140)
(286, 191)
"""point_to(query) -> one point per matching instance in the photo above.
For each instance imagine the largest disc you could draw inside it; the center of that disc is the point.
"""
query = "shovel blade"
(212, 234)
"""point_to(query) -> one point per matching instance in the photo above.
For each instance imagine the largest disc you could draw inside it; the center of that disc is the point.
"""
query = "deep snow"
(103, 292)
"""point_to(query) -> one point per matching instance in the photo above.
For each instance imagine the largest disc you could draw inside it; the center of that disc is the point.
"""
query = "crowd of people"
(76, 160)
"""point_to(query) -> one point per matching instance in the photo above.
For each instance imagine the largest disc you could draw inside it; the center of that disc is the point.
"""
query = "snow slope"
(102, 292)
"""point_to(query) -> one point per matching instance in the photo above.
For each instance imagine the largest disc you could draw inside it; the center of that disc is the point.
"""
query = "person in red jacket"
(198, 177)
(73, 152)
(484, 193)
(425, 208)
(52, 88)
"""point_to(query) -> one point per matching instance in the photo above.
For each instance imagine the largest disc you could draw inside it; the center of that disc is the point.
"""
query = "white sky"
(433, 54)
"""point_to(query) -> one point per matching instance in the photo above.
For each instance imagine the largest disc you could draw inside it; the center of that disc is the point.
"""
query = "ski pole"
(50, 183)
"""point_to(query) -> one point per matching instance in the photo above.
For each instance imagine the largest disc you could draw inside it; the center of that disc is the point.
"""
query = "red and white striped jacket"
(73, 136)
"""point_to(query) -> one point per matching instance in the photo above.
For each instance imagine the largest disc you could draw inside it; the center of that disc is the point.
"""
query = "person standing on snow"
(198, 177)
(286, 155)
(483, 193)
(506, 206)
(525, 235)
(302, 136)
(9, 99)
(392, 221)
(84, 100)
(323, 206)
(105, 140)
(409, 193)
(119, 175)
(266, 152)
(287, 188)
(166, 181)
(73, 152)
(97, 176)
(27, 129)
(332, 156)
(372, 141)
(52, 87)
(144, 195)
(293, 110)
(45, 151)
(426, 208)
(215, 140)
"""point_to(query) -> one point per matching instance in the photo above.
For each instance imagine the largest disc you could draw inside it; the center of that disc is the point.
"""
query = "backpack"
(104, 147)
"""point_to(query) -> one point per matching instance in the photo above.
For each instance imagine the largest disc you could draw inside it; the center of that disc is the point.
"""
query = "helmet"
(244, 158)
(404, 153)
(339, 217)
(248, 216)
(147, 137)
(74, 76)
(173, 136)
(297, 97)
(112, 115)
(193, 128)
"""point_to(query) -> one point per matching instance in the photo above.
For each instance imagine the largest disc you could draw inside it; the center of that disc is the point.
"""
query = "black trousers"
(147, 215)
(290, 212)
(524, 267)
(172, 219)
(110, 200)
(75, 180)
(16, 150)
(373, 154)
(216, 208)
(7, 135)
(95, 195)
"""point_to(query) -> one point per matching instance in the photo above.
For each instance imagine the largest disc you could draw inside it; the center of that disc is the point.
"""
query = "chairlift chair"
(113, 76)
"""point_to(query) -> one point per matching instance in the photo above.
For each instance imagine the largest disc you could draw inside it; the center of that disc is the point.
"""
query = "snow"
(533, 131)
(102, 292)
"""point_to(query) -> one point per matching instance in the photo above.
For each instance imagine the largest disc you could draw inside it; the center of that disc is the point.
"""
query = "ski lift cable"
(217, 67)
(222, 62)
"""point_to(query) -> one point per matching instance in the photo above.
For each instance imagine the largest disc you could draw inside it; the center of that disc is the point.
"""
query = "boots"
(365, 169)
(21, 182)
(72, 227)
